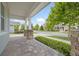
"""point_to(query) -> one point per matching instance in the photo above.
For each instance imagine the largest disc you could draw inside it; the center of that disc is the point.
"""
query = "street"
(48, 33)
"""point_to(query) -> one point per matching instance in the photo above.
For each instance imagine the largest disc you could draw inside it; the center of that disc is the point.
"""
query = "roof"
(22, 10)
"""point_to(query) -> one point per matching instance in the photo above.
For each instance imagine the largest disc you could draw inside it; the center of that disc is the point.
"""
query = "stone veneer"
(28, 34)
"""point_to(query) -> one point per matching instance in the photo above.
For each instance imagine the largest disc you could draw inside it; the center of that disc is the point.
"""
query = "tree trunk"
(69, 37)
(69, 31)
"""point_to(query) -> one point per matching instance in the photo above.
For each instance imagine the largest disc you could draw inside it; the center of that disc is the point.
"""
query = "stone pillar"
(74, 37)
(28, 33)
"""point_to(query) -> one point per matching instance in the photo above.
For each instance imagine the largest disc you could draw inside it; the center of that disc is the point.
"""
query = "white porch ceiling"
(22, 10)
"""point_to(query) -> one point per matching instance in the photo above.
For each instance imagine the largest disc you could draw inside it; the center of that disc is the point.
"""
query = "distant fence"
(74, 37)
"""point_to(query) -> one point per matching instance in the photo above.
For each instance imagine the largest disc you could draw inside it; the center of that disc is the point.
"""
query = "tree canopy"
(36, 27)
(41, 28)
(63, 12)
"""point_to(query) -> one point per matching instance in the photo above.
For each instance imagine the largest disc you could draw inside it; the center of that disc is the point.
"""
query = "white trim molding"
(38, 8)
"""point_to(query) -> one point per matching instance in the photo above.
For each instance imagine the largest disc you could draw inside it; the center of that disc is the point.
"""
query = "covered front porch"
(25, 11)
(23, 44)
(20, 46)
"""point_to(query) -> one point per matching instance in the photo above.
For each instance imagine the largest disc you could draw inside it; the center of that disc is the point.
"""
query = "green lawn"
(57, 45)
(58, 37)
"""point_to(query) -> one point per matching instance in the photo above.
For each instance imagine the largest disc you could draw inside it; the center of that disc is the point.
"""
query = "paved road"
(47, 33)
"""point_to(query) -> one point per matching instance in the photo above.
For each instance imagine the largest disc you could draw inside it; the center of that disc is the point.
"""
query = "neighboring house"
(11, 26)
(11, 29)
(61, 27)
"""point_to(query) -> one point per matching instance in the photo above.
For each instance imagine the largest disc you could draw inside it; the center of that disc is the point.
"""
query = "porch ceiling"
(22, 10)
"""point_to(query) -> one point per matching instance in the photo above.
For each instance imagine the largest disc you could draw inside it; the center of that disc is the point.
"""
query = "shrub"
(57, 45)
(16, 28)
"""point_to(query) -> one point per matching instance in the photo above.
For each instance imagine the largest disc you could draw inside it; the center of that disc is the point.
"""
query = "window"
(2, 17)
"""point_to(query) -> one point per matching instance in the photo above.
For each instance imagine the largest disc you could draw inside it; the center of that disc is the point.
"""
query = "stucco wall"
(4, 35)
(0, 17)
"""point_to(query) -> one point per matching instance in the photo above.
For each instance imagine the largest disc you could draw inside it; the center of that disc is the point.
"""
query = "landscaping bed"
(57, 45)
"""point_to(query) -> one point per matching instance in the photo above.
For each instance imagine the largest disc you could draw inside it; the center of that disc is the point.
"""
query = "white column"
(26, 20)
(6, 20)
(29, 24)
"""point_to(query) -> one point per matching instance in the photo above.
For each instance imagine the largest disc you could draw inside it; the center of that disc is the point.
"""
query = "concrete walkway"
(20, 46)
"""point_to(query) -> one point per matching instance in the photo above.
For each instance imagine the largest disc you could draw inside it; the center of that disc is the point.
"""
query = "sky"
(41, 17)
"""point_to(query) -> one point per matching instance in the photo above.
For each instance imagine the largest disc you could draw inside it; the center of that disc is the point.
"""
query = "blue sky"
(41, 17)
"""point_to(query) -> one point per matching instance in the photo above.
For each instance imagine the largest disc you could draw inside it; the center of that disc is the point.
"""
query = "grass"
(58, 37)
(57, 45)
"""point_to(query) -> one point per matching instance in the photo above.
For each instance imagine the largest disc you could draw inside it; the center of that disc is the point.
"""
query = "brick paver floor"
(20, 46)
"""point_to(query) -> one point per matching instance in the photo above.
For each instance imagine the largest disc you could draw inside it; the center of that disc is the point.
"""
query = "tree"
(64, 12)
(36, 27)
(16, 28)
(48, 25)
(22, 28)
(41, 27)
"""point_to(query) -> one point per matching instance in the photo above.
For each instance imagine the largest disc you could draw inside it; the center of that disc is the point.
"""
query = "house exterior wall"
(61, 28)
(11, 29)
(4, 35)
(0, 17)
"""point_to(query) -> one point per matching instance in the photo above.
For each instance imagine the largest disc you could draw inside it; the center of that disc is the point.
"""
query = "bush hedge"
(57, 45)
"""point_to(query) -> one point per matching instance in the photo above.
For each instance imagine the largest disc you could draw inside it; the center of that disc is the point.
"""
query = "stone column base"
(28, 34)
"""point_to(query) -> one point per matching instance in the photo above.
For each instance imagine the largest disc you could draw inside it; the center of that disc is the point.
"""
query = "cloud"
(40, 21)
